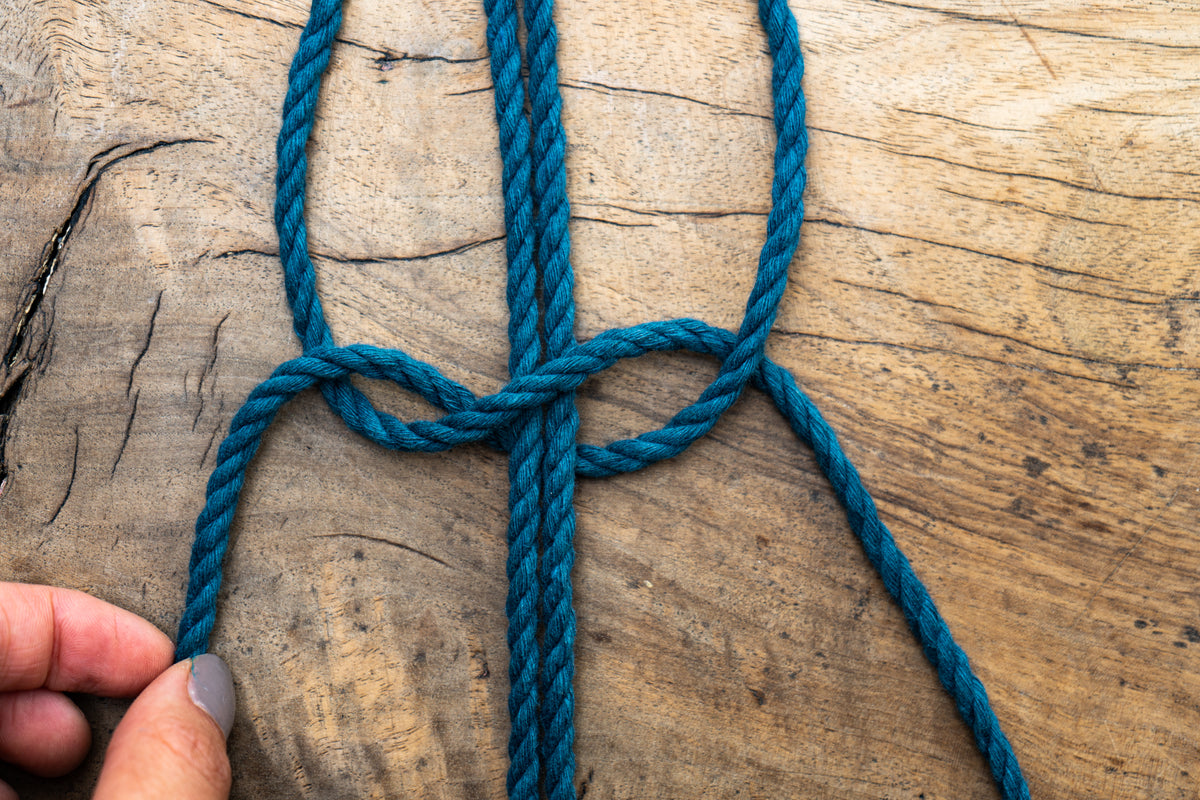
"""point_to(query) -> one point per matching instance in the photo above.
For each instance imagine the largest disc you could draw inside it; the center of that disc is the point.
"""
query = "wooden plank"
(995, 304)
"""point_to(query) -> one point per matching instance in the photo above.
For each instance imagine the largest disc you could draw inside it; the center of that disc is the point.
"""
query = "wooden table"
(996, 304)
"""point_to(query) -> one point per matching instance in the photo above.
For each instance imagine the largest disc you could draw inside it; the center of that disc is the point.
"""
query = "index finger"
(68, 641)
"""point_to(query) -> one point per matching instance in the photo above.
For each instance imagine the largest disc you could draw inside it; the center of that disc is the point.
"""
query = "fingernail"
(210, 685)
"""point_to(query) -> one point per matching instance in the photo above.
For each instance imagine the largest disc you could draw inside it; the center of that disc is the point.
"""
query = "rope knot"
(533, 416)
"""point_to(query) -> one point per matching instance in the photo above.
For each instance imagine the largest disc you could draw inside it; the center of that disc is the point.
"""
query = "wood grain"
(996, 303)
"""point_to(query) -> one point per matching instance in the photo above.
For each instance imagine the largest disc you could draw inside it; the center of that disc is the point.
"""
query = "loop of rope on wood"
(534, 417)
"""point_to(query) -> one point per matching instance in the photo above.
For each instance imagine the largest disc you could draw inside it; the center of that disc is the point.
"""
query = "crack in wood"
(216, 430)
(894, 293)
(7, 400)
(923, 349)
(1035, 209)
(669, 212)
(383, 57)
(12, 369)
(612, 222)
(888, 147)
(381, 540)
(52, 252)
(585, 784)
(603, 88)
(1012, 22)
(387, 61)
(146, 344)
(35, 289)
(71, 483)
(452, 251)
(958, 121)
(1061, 271)
(477, 90)
(213, 349)
(125, 439)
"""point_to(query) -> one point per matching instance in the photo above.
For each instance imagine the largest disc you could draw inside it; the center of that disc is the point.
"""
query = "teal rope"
(526, 456)
(534, 416)
(557, 616)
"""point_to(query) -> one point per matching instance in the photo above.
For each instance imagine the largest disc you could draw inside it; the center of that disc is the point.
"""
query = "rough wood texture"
(995, 304)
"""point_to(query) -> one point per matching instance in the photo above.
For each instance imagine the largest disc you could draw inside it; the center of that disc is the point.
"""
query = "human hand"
(171, 742)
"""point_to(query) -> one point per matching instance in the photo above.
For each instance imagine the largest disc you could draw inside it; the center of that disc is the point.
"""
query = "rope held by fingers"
(534, 417)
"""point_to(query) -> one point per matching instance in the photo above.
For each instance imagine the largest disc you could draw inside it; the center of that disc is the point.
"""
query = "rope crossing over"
(534, 417)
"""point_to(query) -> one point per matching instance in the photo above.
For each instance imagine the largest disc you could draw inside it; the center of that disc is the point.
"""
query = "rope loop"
(533, 416)
(783, 227)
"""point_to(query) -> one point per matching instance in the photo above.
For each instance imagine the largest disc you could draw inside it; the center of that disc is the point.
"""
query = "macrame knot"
(534, 417)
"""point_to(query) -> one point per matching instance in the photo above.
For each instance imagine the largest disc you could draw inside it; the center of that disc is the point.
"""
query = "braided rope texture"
(534, 416)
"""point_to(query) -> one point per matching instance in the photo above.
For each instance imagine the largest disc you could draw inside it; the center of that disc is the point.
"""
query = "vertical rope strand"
(562, 417)
(525, 458)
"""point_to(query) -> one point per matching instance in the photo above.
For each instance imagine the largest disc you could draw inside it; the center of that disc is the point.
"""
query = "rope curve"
(534, 417)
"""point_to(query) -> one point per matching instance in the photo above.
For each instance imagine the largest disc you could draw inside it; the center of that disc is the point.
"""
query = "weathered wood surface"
(995, 304)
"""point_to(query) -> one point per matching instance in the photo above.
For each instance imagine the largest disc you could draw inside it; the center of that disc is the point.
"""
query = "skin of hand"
(171, 742)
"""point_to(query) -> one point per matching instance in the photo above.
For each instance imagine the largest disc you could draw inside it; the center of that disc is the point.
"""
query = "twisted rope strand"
(299, 105)
(534, 415)
(556, 613)
(525, 458)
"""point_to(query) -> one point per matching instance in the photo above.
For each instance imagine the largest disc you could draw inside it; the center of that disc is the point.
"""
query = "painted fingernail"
(210, 685)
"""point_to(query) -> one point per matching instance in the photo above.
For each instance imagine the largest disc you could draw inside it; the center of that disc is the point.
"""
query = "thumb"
(171, 742)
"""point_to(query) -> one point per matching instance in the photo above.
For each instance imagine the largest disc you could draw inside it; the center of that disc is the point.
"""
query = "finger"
(171, 742)
(7, 793)
(64, 640)
(42, 732)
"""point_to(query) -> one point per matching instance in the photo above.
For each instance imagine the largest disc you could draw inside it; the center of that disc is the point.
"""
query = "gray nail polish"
(210, 685)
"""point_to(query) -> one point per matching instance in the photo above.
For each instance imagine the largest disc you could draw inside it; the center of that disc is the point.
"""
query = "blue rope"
(534, 416)
(557, 616)
(526, 456)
